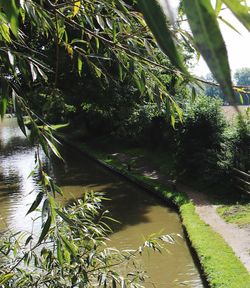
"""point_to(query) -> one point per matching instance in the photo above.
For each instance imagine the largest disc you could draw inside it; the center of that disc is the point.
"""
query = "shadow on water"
(79, 171)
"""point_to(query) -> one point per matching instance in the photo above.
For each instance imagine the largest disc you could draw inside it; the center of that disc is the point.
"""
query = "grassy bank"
(220, 265)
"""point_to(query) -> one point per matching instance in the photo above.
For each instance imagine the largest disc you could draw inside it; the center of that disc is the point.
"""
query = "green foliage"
(200, 138)
(240, 10)
(137, 125)
(43, 43)
(242, 78)
(240, 142)
(207, 36)
(152, 10)
(51, 104)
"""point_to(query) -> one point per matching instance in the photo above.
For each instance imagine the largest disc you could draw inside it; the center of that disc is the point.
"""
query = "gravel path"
(237, 238)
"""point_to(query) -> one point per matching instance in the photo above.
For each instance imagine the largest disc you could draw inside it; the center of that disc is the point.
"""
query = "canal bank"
(220, 265)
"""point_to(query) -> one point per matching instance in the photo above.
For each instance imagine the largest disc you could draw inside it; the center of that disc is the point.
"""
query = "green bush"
(240, 142)
(138, 123)
(201, 137)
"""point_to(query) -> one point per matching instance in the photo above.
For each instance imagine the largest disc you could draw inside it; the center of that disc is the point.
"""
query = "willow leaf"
(76, 8)
(218, 7)
(207, 36)
(157, 22)
(3, 107)
(70, 246)
(228, 24)
(100, 21)
(11, 10)
(6, 277)
(45, 229)
(53, 147)
(241, 11)
(59, 252)
(36, 203)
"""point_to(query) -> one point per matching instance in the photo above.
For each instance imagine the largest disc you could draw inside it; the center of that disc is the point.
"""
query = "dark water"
(140, 213)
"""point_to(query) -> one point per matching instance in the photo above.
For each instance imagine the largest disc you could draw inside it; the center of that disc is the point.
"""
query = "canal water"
(140, 213)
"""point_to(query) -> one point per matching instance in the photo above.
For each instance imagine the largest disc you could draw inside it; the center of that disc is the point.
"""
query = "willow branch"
(131, 53)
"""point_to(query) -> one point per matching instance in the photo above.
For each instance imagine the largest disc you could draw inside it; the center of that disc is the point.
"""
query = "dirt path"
(237, 238)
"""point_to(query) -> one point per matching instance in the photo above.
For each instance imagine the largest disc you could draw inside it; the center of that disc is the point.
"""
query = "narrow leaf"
(6, 277)
(45, 229)
(179, 111)
(53, 148)
(193, 94)
(79, 66)
(218, 7)
(228, 24)
(11, 58)
(157, 22)
(240, 10)
(28, 240)
(208, 38)
(12, 12)
(36, 203)
(65, 217)
(100, 21)
(70, 246)
(76, 8)
(33, 71)
(59, 252)
(3, 107)
(241, 99)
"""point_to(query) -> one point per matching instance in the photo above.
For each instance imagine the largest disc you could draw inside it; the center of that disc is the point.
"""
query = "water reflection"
(16, 163)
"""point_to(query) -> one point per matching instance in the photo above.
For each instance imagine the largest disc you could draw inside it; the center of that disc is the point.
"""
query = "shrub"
(201, 137)
(138, 123)
(240, 145)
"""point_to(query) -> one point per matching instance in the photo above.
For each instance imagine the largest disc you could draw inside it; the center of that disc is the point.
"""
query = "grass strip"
(221, 266)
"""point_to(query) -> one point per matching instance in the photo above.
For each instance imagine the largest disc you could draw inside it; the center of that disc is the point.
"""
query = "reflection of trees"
(15, 157)
(9, 191)
(13, 144)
